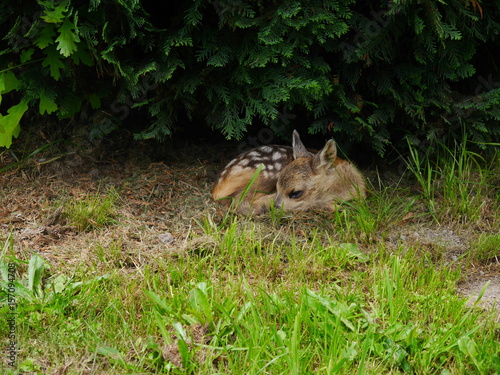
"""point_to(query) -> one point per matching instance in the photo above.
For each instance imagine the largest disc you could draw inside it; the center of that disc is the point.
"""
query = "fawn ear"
(299, 150)
(325, 159)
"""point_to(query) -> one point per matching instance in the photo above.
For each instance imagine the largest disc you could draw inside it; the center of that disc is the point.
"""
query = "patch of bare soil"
(199, 334)
(442, 240)
(452, 247)
(488, 277)
(160, 204)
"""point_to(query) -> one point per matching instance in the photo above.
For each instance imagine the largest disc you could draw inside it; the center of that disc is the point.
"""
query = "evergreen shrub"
(377, 72)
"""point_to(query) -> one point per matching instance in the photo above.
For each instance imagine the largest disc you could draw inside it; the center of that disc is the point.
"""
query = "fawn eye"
(295, 194)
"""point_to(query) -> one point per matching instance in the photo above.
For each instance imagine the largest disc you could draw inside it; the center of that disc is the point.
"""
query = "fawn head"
(317, 181)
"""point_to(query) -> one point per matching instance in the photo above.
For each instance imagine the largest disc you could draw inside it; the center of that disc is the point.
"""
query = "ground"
(162, 200)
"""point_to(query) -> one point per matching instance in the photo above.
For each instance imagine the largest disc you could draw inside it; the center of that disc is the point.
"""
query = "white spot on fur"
(277, 156)
(253, 154)
(237, 169)
(244, 162)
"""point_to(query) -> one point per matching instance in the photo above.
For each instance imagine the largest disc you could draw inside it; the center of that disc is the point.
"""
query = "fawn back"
(292, 176)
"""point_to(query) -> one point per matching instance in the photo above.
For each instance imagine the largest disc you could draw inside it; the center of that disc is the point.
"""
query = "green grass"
(486, 248)
(261, 308)
(457, 178)
(91, 211)
(323, 293)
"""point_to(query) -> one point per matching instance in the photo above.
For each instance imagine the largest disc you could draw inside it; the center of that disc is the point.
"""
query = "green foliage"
(51, 59)
(373, 72)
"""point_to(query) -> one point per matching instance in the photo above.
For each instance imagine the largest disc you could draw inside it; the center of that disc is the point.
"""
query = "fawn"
(292, 176)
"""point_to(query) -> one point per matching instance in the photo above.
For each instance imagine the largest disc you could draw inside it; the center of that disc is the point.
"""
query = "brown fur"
(292, 176)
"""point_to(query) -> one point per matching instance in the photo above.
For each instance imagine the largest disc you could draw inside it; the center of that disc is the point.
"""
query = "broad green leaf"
(9, 125)
(46, 37)
(184, 352)
(159, 303)
(467, 346)
(54, 62)
(4, 272)
(66, 42)
(181, 342)
(8, 82)
(81, 55)
(199, 302)
(47, 105)
(52, 13)
(60, 283)
(26, 55)
(354, 252)
(113, 354)
(36, 268)
(161, 326)
(179, 329)
(108, 351)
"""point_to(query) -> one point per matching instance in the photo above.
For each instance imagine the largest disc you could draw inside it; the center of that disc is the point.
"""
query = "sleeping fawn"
(292, 176)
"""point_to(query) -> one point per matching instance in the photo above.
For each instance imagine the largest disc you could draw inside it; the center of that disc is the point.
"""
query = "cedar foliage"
(369, 71)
